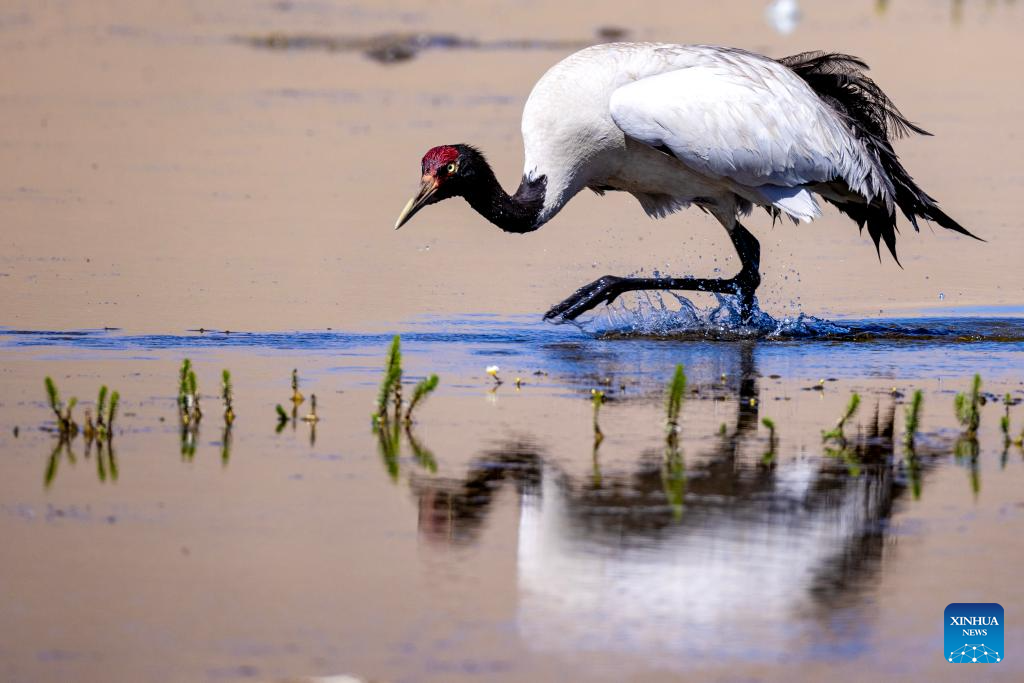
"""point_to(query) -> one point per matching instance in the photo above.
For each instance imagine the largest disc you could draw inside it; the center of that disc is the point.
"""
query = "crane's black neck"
(519, 212)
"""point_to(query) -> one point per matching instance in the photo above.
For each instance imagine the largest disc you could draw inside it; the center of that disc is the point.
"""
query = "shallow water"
(497, 541)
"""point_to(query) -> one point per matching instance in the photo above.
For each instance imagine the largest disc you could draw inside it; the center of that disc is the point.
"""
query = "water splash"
(649, 316)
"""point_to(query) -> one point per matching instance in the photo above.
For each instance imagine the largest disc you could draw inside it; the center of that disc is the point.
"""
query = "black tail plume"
(841, 82)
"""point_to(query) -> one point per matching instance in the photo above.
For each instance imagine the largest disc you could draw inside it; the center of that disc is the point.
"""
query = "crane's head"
(448, 171)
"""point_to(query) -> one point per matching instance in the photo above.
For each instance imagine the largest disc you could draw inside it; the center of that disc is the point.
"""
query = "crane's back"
(569, 135)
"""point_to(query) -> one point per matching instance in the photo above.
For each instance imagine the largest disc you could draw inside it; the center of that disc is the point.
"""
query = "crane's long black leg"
(609, 287)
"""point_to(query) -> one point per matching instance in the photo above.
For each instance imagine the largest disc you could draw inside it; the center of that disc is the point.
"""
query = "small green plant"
(65, 421)
(913, 417)
(387, 423)
(297, 396)
(1004, 421)
(228, 394)
(419, 394)
(102, 428)
(674, 400)
(967, 407)
(391, 385)
(115, 401)
(101, 402)
(188, 395)
(186, 368)
(837, 432)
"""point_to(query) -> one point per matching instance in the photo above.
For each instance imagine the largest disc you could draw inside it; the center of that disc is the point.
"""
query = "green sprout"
(419, 393)
(115, 400)
(188, 395)
(193, 387)
(913, 417)
(837, 432)
(674, 402)
(102, 428)
(101, 403)
(392, 382)
(186, 368)
(967, 409)
(65, 422)
(53, 396)
(228, 394)
(297, 396)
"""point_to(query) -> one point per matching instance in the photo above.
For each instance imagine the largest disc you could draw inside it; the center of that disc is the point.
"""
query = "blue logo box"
(973, 633)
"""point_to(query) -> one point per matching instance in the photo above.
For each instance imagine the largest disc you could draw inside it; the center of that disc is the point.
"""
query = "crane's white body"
(742, 129)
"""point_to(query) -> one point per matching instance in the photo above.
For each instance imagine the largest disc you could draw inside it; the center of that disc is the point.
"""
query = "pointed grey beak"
(427, 190)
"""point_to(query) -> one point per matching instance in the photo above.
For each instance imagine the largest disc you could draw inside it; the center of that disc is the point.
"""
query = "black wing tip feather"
(840, 78)
(840, 81)
(939, 216)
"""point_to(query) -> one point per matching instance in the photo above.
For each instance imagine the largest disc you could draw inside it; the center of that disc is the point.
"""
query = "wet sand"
(158, 175)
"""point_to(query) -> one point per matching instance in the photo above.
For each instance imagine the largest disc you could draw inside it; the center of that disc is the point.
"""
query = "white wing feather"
(757, 126)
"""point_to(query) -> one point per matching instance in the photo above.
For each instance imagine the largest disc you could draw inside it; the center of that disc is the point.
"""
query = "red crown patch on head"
(439, 156)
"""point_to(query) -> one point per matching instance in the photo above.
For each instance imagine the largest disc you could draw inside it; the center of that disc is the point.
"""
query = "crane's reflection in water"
(778, 557)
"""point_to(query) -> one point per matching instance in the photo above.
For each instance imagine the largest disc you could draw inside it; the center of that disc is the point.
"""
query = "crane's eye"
(451, 168)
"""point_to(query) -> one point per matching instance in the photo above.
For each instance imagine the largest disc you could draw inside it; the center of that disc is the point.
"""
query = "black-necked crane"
(679, 125)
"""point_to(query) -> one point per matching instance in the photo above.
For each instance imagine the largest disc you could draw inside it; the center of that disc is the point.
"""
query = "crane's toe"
(602, 290)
